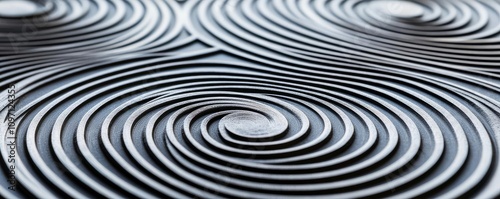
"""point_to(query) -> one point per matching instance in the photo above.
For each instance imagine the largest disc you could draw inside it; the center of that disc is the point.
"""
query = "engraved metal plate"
(250, 98)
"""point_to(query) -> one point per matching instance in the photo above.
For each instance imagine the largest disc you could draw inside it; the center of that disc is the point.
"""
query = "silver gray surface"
(252, 99)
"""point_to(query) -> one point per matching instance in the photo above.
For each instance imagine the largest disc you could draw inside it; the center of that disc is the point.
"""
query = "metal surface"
(250, 99)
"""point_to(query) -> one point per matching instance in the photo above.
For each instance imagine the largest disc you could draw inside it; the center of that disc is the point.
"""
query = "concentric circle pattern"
(250, 99)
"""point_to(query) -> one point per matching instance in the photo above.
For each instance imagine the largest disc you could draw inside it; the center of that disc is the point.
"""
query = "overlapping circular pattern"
(463, 39)
(92, 27)
(260, 99)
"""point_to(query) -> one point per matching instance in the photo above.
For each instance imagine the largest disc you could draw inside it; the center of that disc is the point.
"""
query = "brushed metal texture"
(250, 98)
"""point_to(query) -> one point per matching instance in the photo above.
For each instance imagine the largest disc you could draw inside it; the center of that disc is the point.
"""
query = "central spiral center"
(12, 8)
(253, 125)
(399, 9)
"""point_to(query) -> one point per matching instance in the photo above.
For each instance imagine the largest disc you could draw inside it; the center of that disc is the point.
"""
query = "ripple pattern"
(251, 99)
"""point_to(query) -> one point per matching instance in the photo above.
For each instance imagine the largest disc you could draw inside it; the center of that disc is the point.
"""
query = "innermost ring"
(18, 8)
(400, 9)
(251, 125)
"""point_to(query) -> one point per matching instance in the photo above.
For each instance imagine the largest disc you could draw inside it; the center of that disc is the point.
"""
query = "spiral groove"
(251, 99)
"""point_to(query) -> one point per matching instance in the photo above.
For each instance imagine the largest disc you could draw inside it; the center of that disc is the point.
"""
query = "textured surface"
(250, 99)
